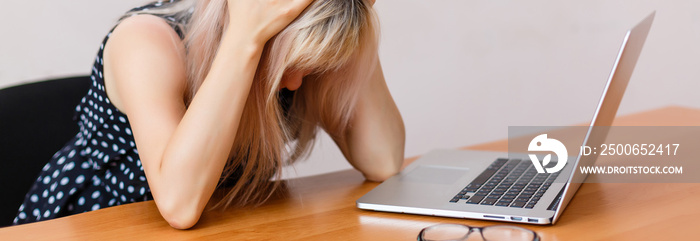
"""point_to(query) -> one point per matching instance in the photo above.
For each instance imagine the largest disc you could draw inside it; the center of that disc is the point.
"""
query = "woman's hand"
(262, 19)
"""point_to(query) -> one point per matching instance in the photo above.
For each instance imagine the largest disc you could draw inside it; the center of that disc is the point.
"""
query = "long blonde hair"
(334, 40)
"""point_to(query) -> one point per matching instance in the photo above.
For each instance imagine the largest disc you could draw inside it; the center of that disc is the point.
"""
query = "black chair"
(36, 120)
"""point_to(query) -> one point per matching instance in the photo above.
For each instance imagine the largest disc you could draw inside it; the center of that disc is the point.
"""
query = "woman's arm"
(375, 140)
(184, 151)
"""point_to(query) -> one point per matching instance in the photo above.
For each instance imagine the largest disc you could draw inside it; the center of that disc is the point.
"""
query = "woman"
(189, 96)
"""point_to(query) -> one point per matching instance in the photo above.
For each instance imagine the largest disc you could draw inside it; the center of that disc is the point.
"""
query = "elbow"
(181, 222)
(379, 177)
(179, 217)
(379, 167)
(381, 173)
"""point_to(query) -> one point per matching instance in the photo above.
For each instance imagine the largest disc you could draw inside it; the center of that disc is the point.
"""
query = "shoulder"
(146, 24)
(144, 56)
(145, 33)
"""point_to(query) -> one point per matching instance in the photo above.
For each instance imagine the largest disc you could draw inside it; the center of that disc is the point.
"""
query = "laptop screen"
(609, 102)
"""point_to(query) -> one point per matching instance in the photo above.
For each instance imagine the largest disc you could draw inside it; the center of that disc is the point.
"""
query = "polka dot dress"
(98, 168)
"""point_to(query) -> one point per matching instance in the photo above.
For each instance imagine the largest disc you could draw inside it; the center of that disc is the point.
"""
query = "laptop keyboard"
(507, 183)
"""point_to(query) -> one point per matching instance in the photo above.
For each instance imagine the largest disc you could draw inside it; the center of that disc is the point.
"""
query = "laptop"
(504, 186)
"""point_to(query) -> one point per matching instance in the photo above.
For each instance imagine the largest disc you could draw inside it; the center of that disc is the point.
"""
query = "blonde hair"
(334, 40)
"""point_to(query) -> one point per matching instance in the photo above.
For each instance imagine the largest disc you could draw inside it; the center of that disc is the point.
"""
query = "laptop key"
(503, 203)
(499, 162)
(485, 191)
(494, 197)
(530, 190)
(500, 189)
(513, 192)
(518, 204)
(515, 188)
(488, 201)
(508, 196)
(475, 199)
(470, 189)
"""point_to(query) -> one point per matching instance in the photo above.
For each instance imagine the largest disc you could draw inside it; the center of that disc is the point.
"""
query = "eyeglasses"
(459, 232)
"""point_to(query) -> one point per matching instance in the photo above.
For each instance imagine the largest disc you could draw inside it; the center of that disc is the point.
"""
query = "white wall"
(461, 71)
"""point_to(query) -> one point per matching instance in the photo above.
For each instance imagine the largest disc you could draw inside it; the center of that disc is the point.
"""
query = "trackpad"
(435, 174)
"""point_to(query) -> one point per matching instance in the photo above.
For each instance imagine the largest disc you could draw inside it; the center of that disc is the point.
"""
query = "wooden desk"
(323, 208)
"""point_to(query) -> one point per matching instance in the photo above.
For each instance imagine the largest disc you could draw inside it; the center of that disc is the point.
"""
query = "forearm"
(376, 138)
(194, 158)
(184, 149)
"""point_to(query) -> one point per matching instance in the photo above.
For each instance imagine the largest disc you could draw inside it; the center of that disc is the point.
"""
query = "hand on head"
(262, 19)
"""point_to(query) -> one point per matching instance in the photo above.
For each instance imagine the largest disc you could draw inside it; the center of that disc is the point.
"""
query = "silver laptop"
(504, 186)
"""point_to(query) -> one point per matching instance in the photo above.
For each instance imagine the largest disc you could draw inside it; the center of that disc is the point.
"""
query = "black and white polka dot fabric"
(98, 168)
